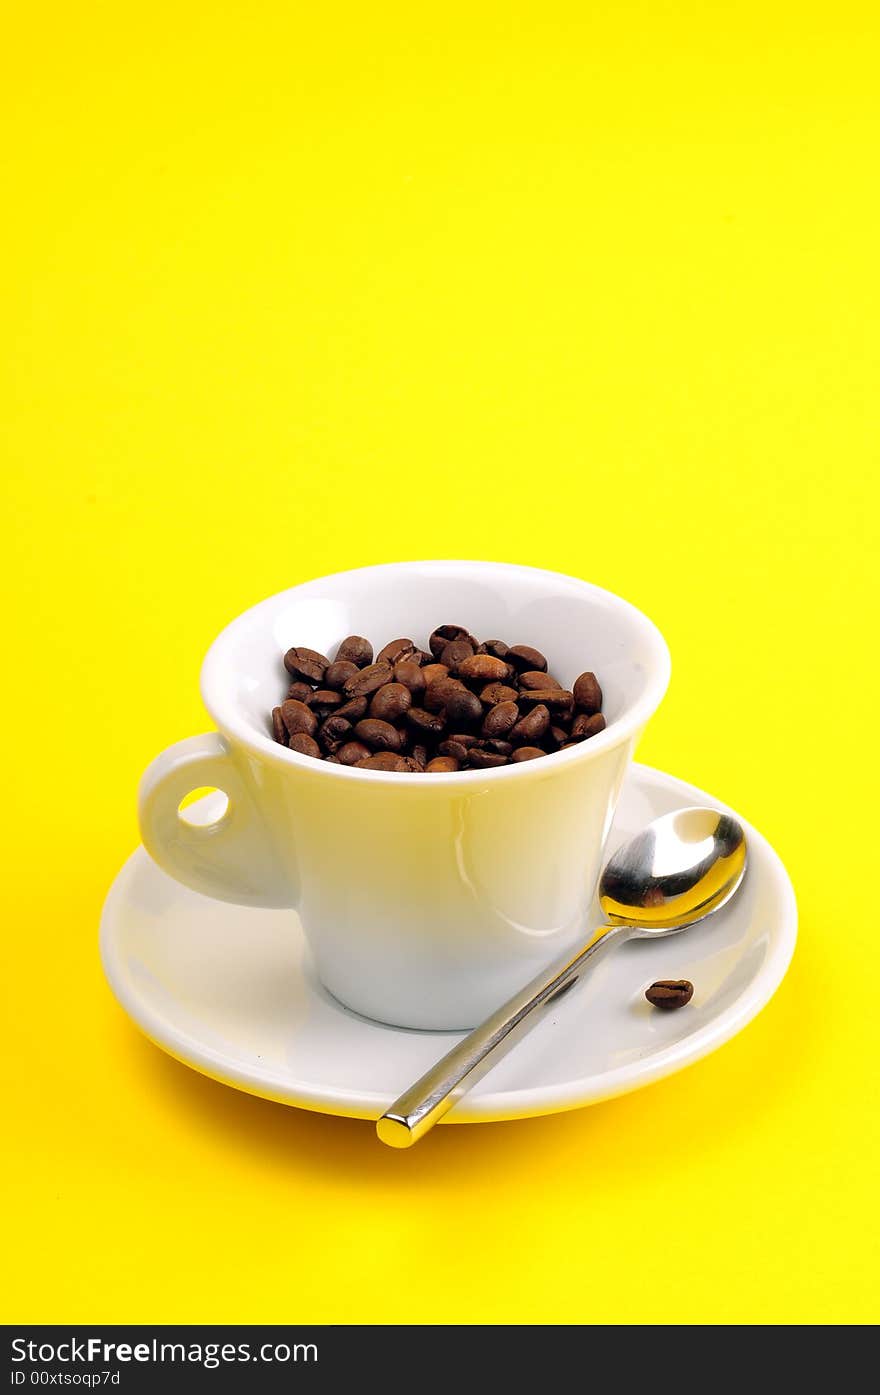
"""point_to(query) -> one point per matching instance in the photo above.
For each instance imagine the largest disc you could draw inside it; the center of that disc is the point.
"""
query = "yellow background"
(294, 288)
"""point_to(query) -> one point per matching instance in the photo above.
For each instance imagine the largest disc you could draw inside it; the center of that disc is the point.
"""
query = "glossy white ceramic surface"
(426, 900)
(231, 992)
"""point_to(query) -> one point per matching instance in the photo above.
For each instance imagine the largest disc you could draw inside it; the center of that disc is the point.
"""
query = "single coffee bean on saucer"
(669, 994)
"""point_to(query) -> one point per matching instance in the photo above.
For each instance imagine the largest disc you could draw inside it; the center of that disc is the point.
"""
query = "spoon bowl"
(678, 870)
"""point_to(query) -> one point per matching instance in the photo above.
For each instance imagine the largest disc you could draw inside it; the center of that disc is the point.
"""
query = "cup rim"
(231, 724)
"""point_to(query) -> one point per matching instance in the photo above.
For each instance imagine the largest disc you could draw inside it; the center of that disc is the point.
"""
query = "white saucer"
(229, 991)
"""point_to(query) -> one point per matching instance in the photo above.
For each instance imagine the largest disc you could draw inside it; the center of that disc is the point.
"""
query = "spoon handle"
(420, 1107)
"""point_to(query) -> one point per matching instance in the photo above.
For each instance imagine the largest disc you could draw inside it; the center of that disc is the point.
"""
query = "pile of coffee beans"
(459, 705)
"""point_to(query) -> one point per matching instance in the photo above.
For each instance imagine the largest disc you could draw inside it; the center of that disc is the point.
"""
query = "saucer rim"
(508, 1104)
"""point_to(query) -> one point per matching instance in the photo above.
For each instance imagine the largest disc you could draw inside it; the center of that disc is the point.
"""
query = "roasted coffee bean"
(524, 658)
(533, 678)
(496, 647)
(482, 759)
(297, 717)
(499, 720)
(306, 663)
(445, 634)
(352, 752)
(279, 730)
(442, 765)
(483, 668)
(301, 691)
(396, 651)
(333, 733)
(526, 753)
(355, 650)
(367, 680)
(465, 739)
(463, 706)
(385, 760)
(390, 702)
(456, 651)
(587, 694)
(669, 993)
(338, 673)
(493, 743)
(421, 656)
(424, 723)
(354, 709)
(419, 756)
(453, 749)
(531, 728)
(556, 736)
(332, 760)
(583, 727)
(557, 699)
(305, 745)
(378, 735)
(437, 692)
(411, 676)
(493, 693)
(325, 701)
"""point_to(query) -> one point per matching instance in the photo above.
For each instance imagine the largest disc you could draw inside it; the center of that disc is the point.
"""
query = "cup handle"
(230, 859)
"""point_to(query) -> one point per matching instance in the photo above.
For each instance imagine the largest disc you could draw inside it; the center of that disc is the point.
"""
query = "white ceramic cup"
(426, 900)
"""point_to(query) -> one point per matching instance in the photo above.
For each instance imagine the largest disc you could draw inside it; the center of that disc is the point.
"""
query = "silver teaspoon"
(677, 871)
